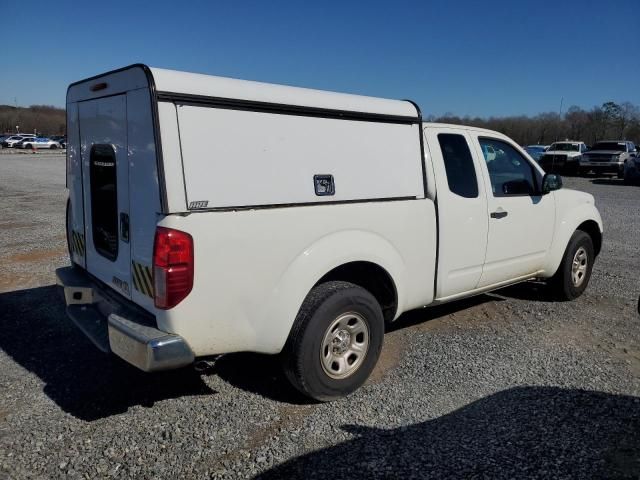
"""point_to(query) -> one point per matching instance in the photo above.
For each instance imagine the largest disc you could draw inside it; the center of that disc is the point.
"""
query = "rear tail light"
(172, 267)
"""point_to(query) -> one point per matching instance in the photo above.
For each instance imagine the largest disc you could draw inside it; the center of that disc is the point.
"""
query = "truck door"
(105, 181)
(462, 210)
(520, 219)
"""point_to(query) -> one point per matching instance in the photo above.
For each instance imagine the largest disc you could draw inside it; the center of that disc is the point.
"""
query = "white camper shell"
(209, 215)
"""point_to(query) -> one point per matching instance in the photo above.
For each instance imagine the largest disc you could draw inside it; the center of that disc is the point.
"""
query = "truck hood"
(604, 152)
(562, 152)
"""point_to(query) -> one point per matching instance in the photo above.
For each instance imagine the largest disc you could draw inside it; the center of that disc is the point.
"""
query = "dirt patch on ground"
(289, 416)
(392, 352)
(35, 256)
(12, 282)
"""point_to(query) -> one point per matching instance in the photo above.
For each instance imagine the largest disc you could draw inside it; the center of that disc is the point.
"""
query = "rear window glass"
(615, 146)
(458, 163)
(564, 147)
(104, 200)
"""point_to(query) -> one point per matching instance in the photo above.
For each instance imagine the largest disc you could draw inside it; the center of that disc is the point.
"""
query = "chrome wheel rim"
(345, 345)
(579, 267)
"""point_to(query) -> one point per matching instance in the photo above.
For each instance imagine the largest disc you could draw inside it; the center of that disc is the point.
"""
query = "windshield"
(564, 147)
(616, 146)
(534, 149)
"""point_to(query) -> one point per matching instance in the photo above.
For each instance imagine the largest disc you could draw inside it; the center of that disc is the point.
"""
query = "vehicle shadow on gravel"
(616, 182)
(425, 315)
(36, 333)
(262, 374)
(533, 290)
(518, 433)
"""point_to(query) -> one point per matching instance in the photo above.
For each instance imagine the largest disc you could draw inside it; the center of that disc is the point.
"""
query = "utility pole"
(15, 103)
(559, 115)
(561, 101)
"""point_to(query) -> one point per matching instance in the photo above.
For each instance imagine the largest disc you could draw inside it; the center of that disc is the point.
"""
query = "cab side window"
(458, 163)
(510, 173)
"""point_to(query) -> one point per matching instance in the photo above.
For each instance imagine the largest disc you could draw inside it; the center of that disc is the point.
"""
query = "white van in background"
(209, 215)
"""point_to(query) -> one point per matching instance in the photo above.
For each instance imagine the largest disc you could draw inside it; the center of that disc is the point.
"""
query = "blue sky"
(463, 57)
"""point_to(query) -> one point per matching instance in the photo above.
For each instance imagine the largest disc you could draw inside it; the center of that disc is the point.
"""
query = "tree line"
(609, 121)
(40, 119)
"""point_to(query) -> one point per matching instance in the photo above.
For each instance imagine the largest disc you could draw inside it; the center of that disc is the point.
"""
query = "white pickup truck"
(209, 215)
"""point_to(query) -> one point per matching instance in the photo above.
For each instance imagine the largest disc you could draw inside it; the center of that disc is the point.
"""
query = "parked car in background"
(38, 142)
(489, 152)
(631, 172)
(563, 157)
(61, 139)
(11, 141)
(536, 151)
(608, 157)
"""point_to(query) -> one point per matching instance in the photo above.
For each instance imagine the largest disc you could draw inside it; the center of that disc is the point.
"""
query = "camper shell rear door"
(105, 181)
(112, 174)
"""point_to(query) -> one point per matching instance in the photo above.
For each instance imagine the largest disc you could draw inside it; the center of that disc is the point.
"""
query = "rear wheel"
(335, 341)
(29, 146)
(53, 147)
(573, 275)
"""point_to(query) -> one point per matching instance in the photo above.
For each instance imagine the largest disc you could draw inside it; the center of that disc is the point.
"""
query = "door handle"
(499, 214)
(124, 227)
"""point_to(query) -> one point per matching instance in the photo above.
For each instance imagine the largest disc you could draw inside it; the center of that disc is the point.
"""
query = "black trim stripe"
(421, 138)
(283, 109)
(142, 279)
(302, 204)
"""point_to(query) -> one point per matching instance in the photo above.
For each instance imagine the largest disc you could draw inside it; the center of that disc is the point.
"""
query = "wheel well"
(373, 278)
(591, 228)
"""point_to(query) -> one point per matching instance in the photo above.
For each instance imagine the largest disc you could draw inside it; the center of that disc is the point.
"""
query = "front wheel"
(335, 341)
(53, 147)
(573, 275)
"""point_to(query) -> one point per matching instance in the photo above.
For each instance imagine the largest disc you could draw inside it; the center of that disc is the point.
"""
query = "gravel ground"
(503, 385)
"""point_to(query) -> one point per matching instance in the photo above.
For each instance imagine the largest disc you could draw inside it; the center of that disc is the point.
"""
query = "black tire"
(562, 284)
(53, 147)
(574, 169)
(302, 353)
(28, 146)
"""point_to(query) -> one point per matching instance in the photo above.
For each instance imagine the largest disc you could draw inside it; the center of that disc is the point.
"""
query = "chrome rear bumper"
(114, 326)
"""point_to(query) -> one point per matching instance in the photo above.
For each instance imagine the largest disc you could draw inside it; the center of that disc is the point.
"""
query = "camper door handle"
(499, 214)
(124, 227)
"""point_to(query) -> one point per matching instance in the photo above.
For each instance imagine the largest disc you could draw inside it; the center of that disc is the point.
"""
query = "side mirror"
(551, 182)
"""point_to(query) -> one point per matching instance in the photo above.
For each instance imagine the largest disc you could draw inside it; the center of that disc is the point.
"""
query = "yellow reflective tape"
(76, 243)
(142, 279)
(146, 271)
(136, 280)
(138, 277)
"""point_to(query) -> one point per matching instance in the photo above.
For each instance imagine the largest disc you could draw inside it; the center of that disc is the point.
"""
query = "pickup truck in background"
(306, 222)
(608, 156)
(563, 157)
